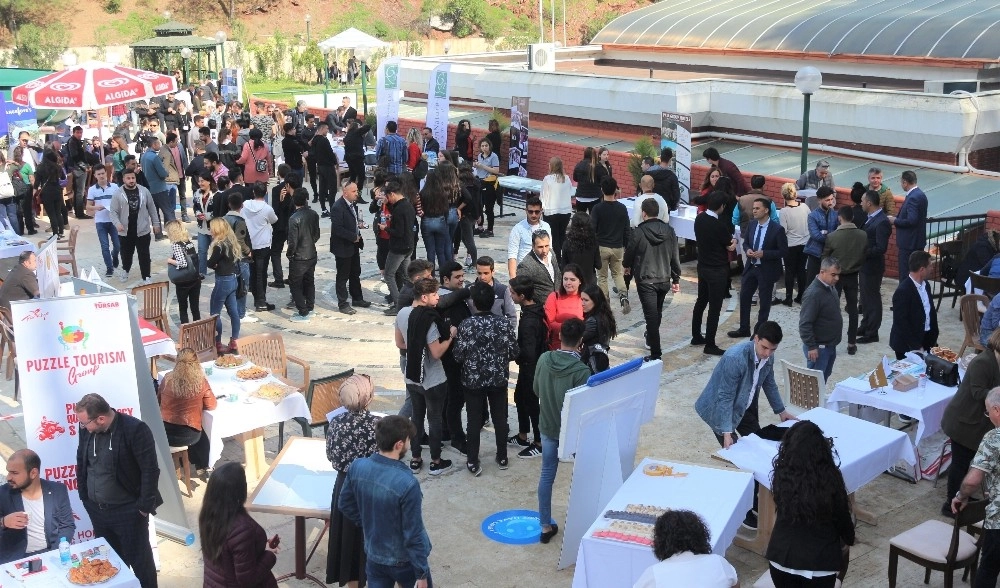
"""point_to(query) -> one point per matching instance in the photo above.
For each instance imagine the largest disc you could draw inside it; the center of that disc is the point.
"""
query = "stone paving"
(455, 503)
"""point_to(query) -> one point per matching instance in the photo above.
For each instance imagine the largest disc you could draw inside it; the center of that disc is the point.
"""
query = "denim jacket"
(383, 497)
(728, 393)
(820, 221)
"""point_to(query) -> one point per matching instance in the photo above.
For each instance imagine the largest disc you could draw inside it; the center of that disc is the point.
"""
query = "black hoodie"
(652, 254)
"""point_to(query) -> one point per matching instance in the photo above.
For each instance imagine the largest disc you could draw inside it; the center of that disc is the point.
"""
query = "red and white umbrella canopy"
(92, 85)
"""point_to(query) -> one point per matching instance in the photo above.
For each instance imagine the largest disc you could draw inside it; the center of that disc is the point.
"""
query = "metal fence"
(949, 240)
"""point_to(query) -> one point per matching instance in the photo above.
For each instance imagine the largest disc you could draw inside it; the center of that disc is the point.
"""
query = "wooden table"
(299, 483)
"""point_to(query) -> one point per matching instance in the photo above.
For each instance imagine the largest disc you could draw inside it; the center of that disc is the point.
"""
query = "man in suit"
(914, 320)
(766, 246)
(728, 404)
(346, 244)
(714, 244)
(35, 513)
(848, 244)
(911, 222)
(877, 229)
(430, 144)
(539, 266)
(349, 112)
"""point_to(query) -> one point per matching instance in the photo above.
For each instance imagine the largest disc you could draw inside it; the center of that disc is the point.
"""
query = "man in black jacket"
(611, 225)
(78, 162)
(714, 244)
(303, 234)
(453, 294)
(117, 476)
(34, 513)
(655, 262)
(306, 136)
(400, 230)
(281, 202)
(877, 229)
(321, 151)
(346, 244)
(292, 147)
(914, 319)
(665, 180)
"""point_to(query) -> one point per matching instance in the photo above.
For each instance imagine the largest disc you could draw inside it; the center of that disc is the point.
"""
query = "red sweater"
(414, 155)
(558, 309)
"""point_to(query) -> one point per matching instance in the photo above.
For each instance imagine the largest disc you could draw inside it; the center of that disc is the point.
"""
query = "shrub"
(644, 147)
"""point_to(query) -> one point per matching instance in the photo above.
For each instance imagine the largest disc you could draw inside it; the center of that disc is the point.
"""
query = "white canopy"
(352, 38)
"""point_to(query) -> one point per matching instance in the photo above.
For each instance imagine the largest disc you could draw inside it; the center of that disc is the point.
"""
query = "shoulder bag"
(184, 275)
(941, 371)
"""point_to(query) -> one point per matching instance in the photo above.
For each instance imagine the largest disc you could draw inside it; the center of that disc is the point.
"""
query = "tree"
(37, 47)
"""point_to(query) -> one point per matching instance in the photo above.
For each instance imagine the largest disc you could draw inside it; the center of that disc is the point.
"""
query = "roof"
(352, 38)
(943, 29)
(173, 27)
(175, 42)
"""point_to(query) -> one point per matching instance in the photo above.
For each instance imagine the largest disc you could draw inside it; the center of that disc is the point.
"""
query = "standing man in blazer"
(878, 229)
(911, 222)
(766, 246)
(540, 265)
(914, 319)
(35, 513)
(346, 244)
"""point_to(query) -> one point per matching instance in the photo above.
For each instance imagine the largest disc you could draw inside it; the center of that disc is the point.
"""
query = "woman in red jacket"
(413, 153)
(235, 548)
(564, 303)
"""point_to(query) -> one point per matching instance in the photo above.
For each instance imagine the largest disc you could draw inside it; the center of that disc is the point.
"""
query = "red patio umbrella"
(92, 85)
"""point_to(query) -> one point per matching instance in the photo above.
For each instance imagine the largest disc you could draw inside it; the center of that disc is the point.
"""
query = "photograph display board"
(675, 132)
(518, 153)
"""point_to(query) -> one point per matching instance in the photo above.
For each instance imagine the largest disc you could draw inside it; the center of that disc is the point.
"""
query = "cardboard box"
(904, 383)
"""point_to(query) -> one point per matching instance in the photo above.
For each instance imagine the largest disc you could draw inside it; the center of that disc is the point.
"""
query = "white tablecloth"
(55, 574)
(720, 497)
(927, 410)
(301, 479)
(11, 244)
(682, 219)
(865, 449)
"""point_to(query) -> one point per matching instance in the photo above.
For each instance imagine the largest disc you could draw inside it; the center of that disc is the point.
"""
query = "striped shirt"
(394, 147)
(102, 197)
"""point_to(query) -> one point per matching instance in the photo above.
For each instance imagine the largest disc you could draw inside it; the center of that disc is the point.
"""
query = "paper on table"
(146, 332)
(304, 492)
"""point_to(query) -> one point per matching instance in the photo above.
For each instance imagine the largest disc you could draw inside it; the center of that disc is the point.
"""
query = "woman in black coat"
(47, 177)
(588, 175)
(581, 247)
(354, 152)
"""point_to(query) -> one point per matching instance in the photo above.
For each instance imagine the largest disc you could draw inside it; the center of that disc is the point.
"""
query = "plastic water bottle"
(922, 386)
(64, 558)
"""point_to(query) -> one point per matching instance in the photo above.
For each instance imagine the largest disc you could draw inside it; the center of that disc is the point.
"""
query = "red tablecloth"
(154, 341)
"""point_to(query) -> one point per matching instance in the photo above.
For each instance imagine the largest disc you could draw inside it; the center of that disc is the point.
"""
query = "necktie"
(757, 239)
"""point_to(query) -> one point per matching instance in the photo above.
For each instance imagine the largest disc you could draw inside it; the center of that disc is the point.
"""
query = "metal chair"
(971, 320)
(930, 545)
(153, 304)
(950, 253)
(804, 387)
(268, 350)
(322, 397)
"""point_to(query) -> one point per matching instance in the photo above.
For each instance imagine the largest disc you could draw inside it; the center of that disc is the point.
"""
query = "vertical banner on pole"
(438, 98)
(388, 93)
(675, 132)
(518, 152)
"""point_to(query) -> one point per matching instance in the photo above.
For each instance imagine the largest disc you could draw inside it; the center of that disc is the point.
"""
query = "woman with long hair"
(204, 208)
(681, 543)
(413, 150)
(438, 192)
(814, 523)
(487, 170)
(182, 251)
(254, 158)
(463, 139)
(557, 204)
(47, 177)
(493, 135)
(224, 259)
(604, 160)
(599, 327)
(468, 213)
(588, 175)
(354, 152)
(27, 174)
(564, 303)
(351, 435)
(234, 547)
(581, 247)
(707, 187)
(184, 393)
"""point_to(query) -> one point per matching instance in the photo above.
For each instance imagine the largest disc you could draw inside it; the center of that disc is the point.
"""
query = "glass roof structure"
(943, 29)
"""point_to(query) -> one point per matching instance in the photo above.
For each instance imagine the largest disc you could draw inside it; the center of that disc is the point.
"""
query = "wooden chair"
(153, 300)
(7, 343)
(971, 320)
(268, 350)
(200, 336)
(989, 286)
(930, 545)
(804, 387)
(182, 466)
(322, 397)
(66, 250)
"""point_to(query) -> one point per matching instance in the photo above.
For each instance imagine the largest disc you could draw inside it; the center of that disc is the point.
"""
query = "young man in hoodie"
(557, 372)
(653, 259)
(259, 217)
(532, 341)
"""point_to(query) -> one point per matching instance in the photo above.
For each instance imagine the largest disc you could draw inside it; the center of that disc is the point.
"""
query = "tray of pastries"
(272, 392)
(945, 354)
(230, 362)
(91, 572)
(656, 469)
(252, 374)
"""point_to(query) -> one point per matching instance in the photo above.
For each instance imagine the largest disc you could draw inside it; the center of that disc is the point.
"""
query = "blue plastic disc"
(513, 527)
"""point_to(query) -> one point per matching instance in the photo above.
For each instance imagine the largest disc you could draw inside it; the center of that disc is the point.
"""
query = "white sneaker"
(147, 281)
(122, 276)
(249, 319)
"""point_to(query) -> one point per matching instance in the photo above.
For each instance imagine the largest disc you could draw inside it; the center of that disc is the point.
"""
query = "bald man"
(35, 513)
(646, 191)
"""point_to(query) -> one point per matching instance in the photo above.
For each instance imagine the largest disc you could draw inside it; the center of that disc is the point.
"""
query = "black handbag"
(241, 285)
(184, 275)
(941, 371)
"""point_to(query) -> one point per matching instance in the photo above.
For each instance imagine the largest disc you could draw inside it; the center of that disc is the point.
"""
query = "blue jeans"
(452, 223)
(383, 576)
(550, 463)
(10, 211)
(823, 363)
(224, 294)
(241, 302)
(106, 233)
(204, 242)
(437, 240)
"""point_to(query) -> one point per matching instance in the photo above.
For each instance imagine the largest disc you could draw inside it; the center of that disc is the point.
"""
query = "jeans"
(430, 403)
(550, 463)
(712, 286)
(188, 295)
(452, 225)
(870, 293)
(302, 283)
(277, 249)
(437, 240)
(224, 294)
(989, 562)
(795, 271)
(823, 363)
(8, 210)
(466, 230)
(204, 242)
(79, 191)
(475, 403)
(395, 272)
(651, 298)
(558, 224)
(611, 259)
(381, 252)
(258, 276)
(129, 247)
(382, 576)
(812, 268)
(241, 301)
(348, 281)
(106, 232)
(165, 203)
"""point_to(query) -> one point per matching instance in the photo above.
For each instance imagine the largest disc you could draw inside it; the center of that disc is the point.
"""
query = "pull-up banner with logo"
(438, 103)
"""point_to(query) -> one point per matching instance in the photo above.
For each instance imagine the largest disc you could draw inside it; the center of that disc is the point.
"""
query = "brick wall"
(993, 220)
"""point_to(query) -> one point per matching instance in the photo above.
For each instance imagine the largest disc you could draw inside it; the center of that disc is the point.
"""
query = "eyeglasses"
(84, 424)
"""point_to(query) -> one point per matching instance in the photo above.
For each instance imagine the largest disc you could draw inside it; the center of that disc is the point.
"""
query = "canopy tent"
(352, 38)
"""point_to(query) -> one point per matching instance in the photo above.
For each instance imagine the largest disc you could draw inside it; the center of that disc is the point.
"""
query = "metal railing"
(949, 240)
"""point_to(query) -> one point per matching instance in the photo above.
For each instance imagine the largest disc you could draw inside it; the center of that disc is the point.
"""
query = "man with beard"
(35, 513)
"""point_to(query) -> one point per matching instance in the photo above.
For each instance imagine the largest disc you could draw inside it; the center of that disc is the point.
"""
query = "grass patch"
(285, 90)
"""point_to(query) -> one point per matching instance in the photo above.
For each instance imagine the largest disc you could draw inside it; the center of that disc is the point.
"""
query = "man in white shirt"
(34, 513)
(914, 319)
(646, 186)
(519, 242)
(98, 199)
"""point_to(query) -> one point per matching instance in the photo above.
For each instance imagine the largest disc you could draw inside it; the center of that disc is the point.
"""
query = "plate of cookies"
(252, 374)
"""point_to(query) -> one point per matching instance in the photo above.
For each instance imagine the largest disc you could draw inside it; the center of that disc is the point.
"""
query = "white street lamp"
(808, 81)
(220, 38)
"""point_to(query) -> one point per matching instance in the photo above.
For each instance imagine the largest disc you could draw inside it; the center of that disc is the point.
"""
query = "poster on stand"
(438, 103)
(232, 83)
(388, 93)
(16, 119)
(675, 132)
(517, 161)
(47, 271)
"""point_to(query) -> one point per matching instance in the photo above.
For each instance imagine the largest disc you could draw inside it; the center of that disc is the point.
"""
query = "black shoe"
(278, 285)
(263, 307)
(346, 309)
(698, 340)
(738, 334)
(712, 350)
(83, 216)
(315, 200)
(852, 349)
(728, 295)
(390, 311)
(362, 303)
(442, 466)
(547, 536)
(325, 214)
(798, 299)
(750, 522)
(946, 511)
(649, 358)
(185, 219)
(872, 339)
(787, 301)
(474, 468)
(778, 301)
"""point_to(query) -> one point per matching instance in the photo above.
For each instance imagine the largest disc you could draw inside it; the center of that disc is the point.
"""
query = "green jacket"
(848, 244)
(556, 373)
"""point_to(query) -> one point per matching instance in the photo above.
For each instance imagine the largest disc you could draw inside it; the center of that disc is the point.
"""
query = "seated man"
(21, 283)
(991, 320)
(35, 513)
